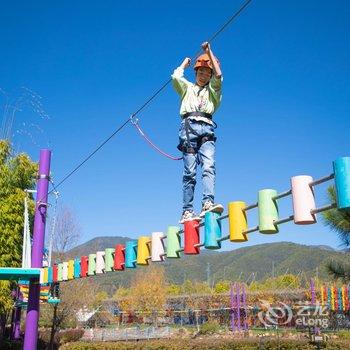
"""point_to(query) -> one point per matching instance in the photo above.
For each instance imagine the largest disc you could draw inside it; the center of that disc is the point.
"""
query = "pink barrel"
(303, 200)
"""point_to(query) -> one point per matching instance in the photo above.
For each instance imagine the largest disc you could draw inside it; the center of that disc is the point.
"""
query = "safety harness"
(185, 146)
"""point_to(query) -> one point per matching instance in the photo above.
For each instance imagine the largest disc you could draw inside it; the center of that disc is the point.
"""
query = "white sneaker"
(210, 206)
(188, 215)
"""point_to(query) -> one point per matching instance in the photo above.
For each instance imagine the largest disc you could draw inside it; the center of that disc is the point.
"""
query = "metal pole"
(244, 299)
(312, 286)
(17, 324)
(16, 316)
(31, 330)
(232, 298)
(238, 295)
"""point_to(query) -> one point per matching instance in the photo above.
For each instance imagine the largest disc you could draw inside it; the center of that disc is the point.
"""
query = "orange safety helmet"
(204, 61)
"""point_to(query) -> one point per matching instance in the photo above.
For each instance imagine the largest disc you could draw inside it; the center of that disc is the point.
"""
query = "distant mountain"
(254, 262)
(95, 244)
(324, 247)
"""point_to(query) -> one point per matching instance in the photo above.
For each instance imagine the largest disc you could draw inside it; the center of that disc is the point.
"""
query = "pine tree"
(339, 222)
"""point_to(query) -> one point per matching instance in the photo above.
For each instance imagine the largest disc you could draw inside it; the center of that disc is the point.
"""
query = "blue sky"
(285, 107)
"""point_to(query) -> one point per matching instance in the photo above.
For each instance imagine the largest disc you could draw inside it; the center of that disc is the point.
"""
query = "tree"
(339, 222)
(147, 292)
(66, 235)
(67, 232)
(17, 173)
(222, 287)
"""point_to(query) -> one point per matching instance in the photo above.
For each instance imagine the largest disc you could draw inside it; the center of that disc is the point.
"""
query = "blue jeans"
(204, 156)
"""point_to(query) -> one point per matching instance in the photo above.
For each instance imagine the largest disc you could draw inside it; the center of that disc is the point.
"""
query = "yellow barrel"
(45, 275)
(70, 269)
(143, 250)
(237, 219)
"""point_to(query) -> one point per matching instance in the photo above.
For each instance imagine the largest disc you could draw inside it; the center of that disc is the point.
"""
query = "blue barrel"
(130, 254)
(212, 230)
(341, 168)
(49, 275)
(340, 300)
(76, 268)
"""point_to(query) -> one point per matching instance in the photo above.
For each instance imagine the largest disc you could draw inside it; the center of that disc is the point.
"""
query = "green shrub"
(204, 344)
(210, 327)
(71, 335)
(344, 334)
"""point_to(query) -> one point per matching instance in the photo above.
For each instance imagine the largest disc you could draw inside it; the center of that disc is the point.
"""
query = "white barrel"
(303, 200)
(100, 262)
(41, 279)
(157, 253)
(65, 271)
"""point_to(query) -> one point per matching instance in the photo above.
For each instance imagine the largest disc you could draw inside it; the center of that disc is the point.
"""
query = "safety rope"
(135, 122)
(235, 15)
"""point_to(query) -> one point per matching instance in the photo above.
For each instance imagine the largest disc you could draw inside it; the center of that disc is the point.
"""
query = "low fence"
(135, 333)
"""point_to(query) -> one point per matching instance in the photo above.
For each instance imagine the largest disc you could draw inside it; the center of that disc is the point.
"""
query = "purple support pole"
(16, 316)
(232, 308)
(238, 295)
(16, 335)
(31, 331)
(313, 296)
(244, 299)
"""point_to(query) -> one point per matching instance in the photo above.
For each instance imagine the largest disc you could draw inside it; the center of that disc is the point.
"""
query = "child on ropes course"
(199, 101)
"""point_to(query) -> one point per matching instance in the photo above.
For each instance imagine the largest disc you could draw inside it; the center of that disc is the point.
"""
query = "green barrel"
(268, 211)
(109, 259)
(92, 264)
(173, 242)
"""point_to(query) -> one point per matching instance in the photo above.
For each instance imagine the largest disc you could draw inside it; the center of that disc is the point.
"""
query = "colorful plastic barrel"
(341, 167)
(100, 262)
(60, 272)
(130, 254)
(268, 211)
(143, 250)
(303, 200)
(191, 239)
(212, 230)
(173, 242)
(92, 264)
(55, 273)
(119, 257)
(237, 220)
(157, 247)
(329, 297)
(109, 259)
(65, 271)
(43, 276)
(71, 269)
(84, 266)
(322, 296)
(76, 268)
(340, 299)
(50, 274)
